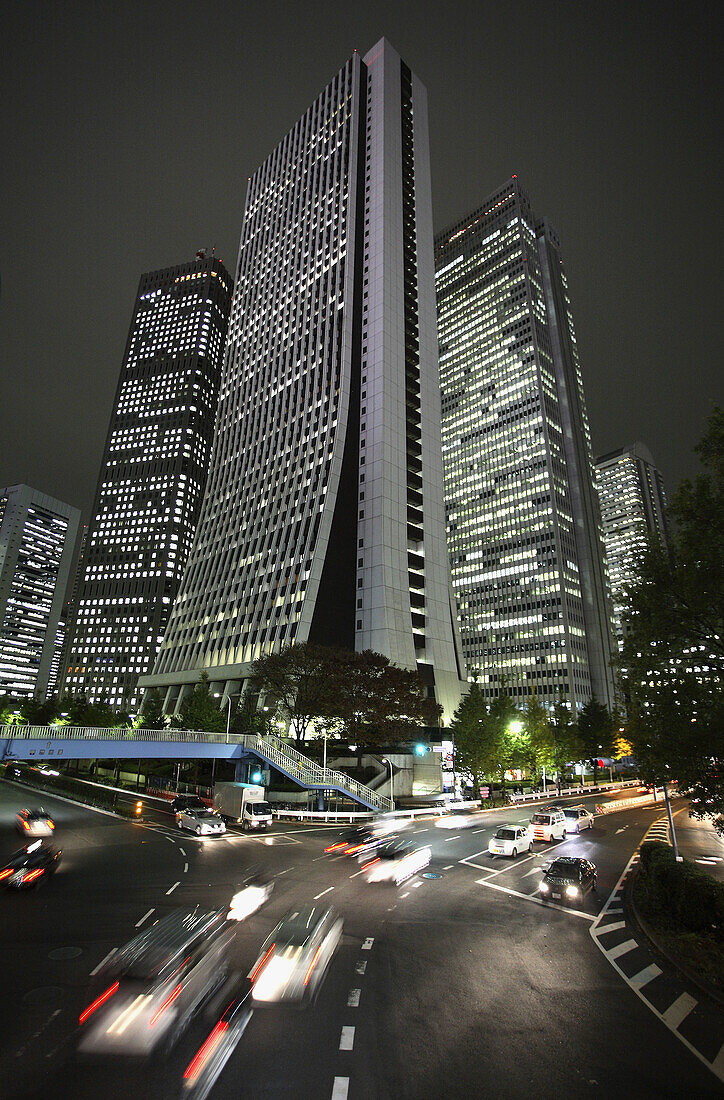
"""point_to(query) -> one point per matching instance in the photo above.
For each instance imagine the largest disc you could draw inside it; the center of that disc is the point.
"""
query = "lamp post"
(392, 786)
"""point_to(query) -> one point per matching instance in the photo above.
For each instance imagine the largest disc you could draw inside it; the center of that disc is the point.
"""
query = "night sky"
(131, 129)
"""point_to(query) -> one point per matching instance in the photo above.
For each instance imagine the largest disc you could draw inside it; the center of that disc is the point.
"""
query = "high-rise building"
(37, 543)
(524, 528)
(323, 519)
(152, 478)
(633, 508)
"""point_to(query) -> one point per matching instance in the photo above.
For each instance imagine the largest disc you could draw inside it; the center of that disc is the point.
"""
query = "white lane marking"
(536, 901)
(534, 871)
(357, 873)
(367, 945)
(182, 851)
(645, 976)
(340, 1088)
(620, 948)
(171, 890)
(346, 1039)
(280, 873)
(406, 894)
(612, 927)
(317, 896)
(415, 885)
(449, 838)
(353, 998)
(361, 966)
(615, 909)
(470, 858)
(144, 917)
(718, 1063)
(449, 867)
(479, 831)
(103, 962)
(186, 867)
(677, 1012)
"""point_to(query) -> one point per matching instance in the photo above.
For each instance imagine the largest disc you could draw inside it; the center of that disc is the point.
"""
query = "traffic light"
(256, 777)
(420, 749)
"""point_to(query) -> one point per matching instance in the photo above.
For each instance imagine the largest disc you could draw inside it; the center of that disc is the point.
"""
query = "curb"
(648, 933)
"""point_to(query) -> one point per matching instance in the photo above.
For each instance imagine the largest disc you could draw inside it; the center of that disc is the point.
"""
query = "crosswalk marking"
(679, 1010)
(612, 927)
(646, 975)
(622, 948)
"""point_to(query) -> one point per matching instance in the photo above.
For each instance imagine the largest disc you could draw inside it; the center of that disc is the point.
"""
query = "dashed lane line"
(346, 1039)
(318, 896)
(449, 838)
(182, 851)
(186, 867)
(172, 888)
(353, 998)
(406, 894)
(536, 901)
(367, 945)
(415, 885)
(340, 1088)
(144, 917)
(103, 961)
(449, 867)
(357, 873)
(361, 966)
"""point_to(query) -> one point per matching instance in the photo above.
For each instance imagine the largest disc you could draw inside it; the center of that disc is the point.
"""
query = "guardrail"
(96, 733)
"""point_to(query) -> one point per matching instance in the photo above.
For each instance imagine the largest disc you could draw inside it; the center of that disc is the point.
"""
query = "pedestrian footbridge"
(41, 744)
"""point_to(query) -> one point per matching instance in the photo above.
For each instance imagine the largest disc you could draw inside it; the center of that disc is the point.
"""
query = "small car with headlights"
(37, 822)
(509, 840)
(295, 956)
(578, 818)
(147, 993)
(395, 862)
(355, 842)
(568, 879)
(30, 866)
(202, 822)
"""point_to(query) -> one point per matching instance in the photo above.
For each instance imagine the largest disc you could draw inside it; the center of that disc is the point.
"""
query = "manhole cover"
(65, 953)
(47, 994)
(430, 874)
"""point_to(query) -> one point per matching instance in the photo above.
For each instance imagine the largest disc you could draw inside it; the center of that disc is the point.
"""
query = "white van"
(548, 825)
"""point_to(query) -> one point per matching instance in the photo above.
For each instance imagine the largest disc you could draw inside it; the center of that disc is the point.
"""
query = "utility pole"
(672, 830)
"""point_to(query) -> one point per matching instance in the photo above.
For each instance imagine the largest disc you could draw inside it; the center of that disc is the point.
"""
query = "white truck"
(244, 803)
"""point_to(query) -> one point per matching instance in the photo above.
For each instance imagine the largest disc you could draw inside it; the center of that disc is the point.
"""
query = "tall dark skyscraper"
(37, 543)
(323, 518)
(152, 478)
(633, 506)
(524, 527)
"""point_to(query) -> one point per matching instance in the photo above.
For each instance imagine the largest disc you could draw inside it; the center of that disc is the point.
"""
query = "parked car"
(578, 818)
(548, 825)
(568, 878)
(188, 802)
(509, 840)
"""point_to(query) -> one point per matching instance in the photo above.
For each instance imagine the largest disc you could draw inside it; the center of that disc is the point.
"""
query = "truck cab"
(244, 803)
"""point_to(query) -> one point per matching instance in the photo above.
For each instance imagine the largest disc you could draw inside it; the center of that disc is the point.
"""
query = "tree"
(595, 731)
(152, 716)
(509, 747)
(540, 744)
(300, 683)
(200, 711)
(674, 652)
(475, 738)
(376, 702)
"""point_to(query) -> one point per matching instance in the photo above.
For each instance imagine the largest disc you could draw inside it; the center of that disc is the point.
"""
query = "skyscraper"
(323, 518)
(152, 478)
(524, 528)
(37, 542)
(633, 506)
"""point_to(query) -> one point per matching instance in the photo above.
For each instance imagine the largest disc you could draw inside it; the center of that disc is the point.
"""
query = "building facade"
(37, 543)
(523, 521)
(633, 509)
(323, 519)
(152, 479)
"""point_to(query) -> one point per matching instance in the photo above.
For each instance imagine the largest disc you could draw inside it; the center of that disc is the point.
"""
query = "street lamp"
(392, 788)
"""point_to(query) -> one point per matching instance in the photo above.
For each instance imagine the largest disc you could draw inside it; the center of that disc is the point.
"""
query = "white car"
(457, 819)
(203, 822)
(395, 862)
(294, 957)
(548, 825)
(36, 822)
(509, 840)
(578, 818)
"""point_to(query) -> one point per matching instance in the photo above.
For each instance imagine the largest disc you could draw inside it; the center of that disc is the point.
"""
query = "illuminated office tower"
(323, 519)
(152, 478)
(633, 506)
(524, 529)
(37, 543)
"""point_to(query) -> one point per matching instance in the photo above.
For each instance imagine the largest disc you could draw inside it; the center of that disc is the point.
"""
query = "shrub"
(681, 896)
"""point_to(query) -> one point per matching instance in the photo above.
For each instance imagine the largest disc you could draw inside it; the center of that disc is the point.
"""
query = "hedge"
(679, 895)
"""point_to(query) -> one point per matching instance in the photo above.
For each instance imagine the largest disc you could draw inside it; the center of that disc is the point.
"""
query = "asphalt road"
(456, 986)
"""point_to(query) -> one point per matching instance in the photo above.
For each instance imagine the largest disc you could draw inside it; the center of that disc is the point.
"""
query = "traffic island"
(680, 910)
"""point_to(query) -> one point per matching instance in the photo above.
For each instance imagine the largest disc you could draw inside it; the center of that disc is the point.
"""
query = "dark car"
(354, 842)
(568, 878)
(30, 865)
(188, 802)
